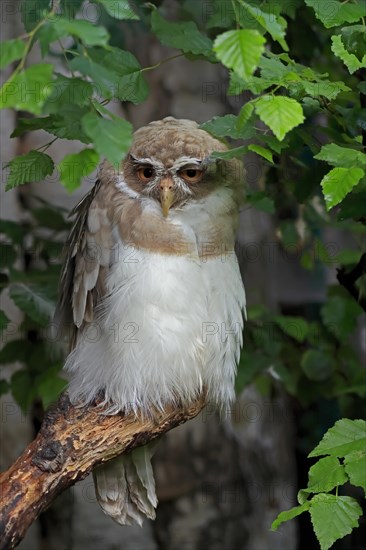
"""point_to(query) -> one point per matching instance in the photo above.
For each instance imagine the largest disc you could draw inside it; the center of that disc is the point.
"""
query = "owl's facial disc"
(170, 183)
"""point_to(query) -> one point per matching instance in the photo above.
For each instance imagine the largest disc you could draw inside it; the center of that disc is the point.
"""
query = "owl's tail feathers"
(125, 487)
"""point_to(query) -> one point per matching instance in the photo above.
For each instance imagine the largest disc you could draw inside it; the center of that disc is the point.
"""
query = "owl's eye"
(191, 175)
(145, 173)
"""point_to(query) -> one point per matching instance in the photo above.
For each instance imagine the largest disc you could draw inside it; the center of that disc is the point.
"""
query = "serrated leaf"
(346, 436)
(295, 327)
(221, 126)
(338, 183)
(240, 50)
(341, 156)
(269, 22)
(28, 90)
(32, 167)
(280, 113)
(289, 514)
(340, 316)
(11, 50)
(111, 138)
(76, 166)
(317, 365)
(337, 13)
(349, 59)
(4, 320)
(333, 517)
(261, 151)
(68, 91)
(116, 73)
(89, 34)
(326, 474)
(119, 9)
(33, 301)
(355, 466)
(232, 153)
(245, 113)
(324, 88)
(184, 36)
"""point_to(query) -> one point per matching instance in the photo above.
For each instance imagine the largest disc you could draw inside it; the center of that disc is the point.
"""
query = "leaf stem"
(151, 67)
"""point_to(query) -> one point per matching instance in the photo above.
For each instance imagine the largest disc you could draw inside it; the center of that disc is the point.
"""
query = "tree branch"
(71, 442)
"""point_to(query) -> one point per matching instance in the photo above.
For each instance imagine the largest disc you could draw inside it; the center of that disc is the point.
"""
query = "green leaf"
(4, 320)
(260, 201)
(346, 436)
(230, 154)
(295, 327)
(13, 230)
(325, 88)
(338, 183)
(317, 365)
(111, 138)
(11, 50)
(251, 364)
(119, 9)
(15, 350)
(50, 217)
(129, 81)
(336, 13)
(34, 166)
(33, 11)
(269, 22)
(68, 91)
(240, 50)
(49, 386)
(244, 116)
(221, 126)
(4, 387)
(326, 474)
(33, 301)
(116, 73)
(349, 59)
(22, 389)
(289, 514)
(76, 166)
(355, 466)
(341, 156)
(261, 151)
(28, 90)
(89, 34)
(184, 36)
(333, 517)
(280, 113)
(340, 315)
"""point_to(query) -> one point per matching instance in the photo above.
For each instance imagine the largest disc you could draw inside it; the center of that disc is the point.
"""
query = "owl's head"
(170, 162)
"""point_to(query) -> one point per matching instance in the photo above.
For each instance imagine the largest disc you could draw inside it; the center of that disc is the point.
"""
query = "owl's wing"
(86, 262)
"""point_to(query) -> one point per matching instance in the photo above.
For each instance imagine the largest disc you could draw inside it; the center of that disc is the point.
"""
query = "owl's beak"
(166, 194)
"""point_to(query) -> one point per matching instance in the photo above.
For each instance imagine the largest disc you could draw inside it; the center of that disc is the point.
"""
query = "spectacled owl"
(152, 287)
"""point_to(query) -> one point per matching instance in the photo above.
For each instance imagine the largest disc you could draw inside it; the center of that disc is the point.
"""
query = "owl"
(152, 289)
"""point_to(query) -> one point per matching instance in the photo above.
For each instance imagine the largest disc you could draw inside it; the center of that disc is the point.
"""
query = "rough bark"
(71, 442)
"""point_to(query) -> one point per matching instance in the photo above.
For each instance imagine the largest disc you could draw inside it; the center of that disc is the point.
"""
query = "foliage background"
(292, 79)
